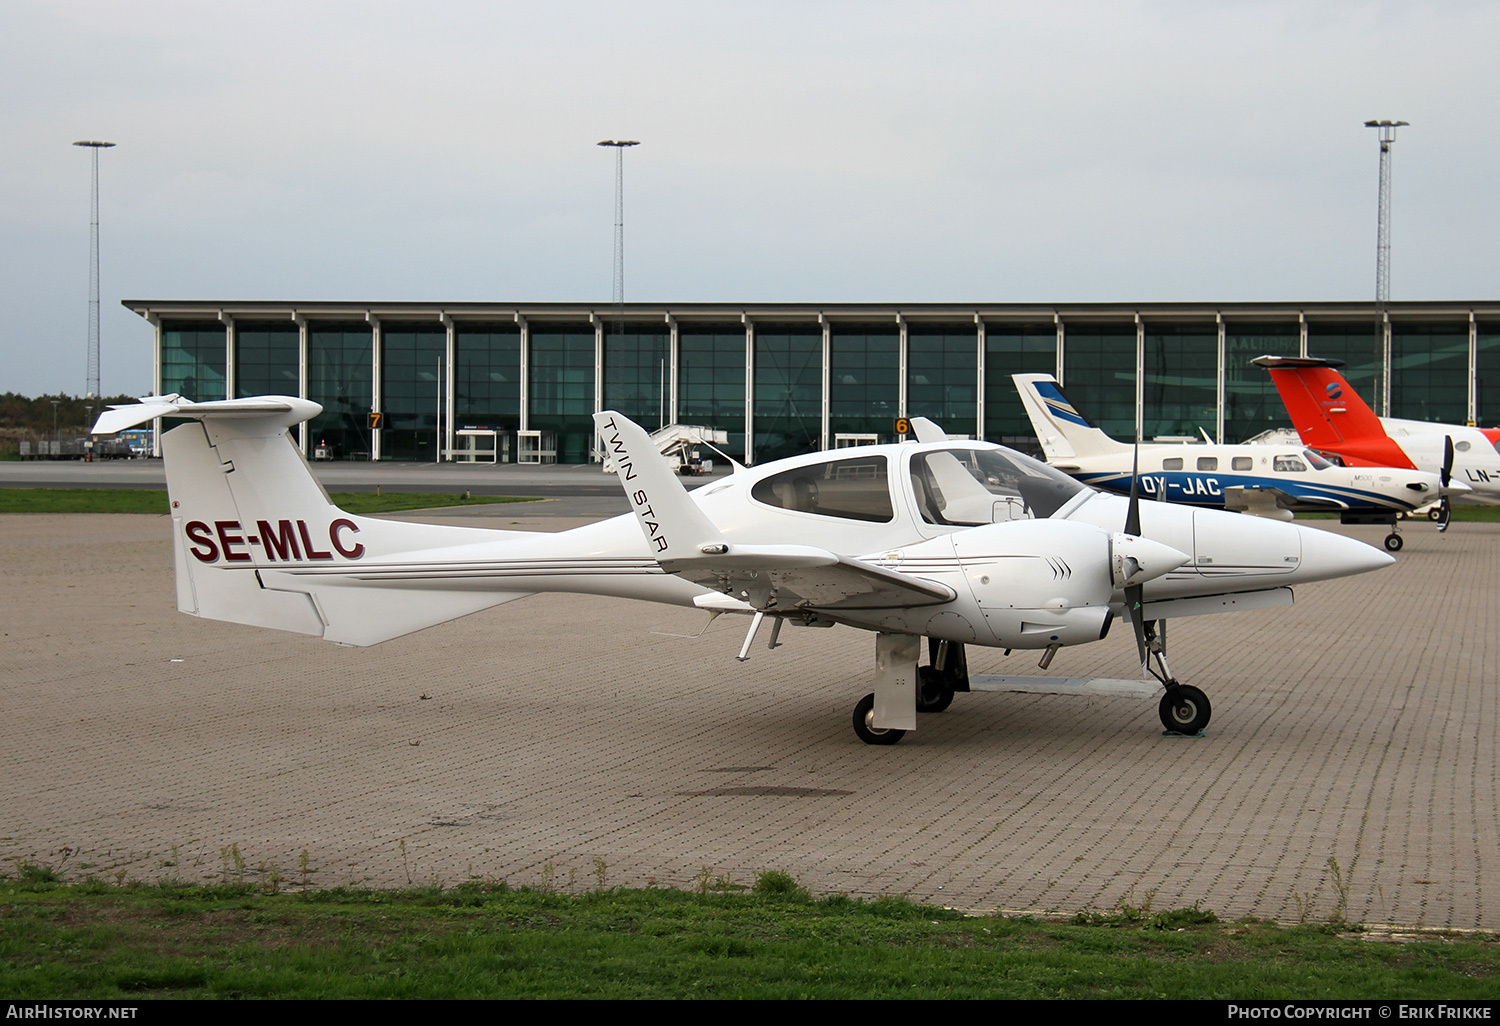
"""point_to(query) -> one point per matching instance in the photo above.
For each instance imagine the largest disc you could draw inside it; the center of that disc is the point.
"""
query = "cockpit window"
(1288, 465)
(1315, 461)
(983, 486)
(853, 489)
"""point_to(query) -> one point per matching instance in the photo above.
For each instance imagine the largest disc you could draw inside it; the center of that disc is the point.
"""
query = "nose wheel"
(1184, 709)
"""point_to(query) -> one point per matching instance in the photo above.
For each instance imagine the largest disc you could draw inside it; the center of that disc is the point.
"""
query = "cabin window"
(1175, 463)
(1208, 463)
(1243, 463)
(855, 489)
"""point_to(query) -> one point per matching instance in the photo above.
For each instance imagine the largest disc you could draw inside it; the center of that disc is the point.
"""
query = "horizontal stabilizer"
(1064, 432)
(277, 412)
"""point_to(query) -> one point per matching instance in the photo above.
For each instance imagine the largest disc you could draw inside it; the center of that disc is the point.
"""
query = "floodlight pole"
(91, 386)
(1387, 133)
(619, 146)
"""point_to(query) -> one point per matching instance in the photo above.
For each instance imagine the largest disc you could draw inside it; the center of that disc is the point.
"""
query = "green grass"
(126, 500)
(486, 940)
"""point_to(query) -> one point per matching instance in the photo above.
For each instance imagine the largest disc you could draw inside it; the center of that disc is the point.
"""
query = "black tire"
(1393, 543)
(1434, 515)
(1184, 709)
(864, 712)
(934, 691)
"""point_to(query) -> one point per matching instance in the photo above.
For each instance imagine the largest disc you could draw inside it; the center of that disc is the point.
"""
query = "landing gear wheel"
(934, 691)
(1393, 543)
(864, 715)
(1184, 709)
(1434, 515)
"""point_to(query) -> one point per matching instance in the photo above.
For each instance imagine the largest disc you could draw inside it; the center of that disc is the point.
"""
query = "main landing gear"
(946, 674)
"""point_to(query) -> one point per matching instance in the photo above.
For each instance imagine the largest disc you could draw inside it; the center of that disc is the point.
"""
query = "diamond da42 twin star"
(961, 543)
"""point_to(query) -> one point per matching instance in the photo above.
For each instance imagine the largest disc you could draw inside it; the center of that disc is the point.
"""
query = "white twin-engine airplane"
(1264, 480)
(954, 541)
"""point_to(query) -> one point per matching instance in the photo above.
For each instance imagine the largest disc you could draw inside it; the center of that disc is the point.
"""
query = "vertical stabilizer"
(1065, 433)
(1328, 413)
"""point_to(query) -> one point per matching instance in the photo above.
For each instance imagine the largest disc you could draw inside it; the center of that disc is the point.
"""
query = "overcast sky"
(790, 151)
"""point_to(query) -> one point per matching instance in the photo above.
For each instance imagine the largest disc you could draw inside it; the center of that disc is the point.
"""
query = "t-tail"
(1328, 413)
(256, 540)
(1064, 432)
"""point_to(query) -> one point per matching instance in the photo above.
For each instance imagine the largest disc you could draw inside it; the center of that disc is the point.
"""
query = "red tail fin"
(1328, 414)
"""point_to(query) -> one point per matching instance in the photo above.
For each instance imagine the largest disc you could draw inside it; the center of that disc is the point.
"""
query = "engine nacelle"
(1039, 582)
(1049, 582)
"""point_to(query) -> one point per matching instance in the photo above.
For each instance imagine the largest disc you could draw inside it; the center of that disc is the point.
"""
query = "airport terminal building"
(429, 381)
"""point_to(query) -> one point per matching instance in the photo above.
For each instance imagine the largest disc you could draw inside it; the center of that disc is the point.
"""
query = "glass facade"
(1487, 374)
(1251, 404)
(1181, 390)
(414, 362)
(864, 380)
(788, 390)
(1429, 371)
(192, 360)
(562, 387)
(340, 376)
(942, 375)
(711, 380)
(487, 376)
(1014, 349)
(637, 375)
(1099, 373)
(265, 359)
(543, 374)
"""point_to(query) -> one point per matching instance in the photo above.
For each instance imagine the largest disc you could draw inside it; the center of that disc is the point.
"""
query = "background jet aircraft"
(1265, 480)
(957, 542)
(1331, 417)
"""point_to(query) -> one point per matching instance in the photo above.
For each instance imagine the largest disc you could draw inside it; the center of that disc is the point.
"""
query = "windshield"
(984, 486)
(1318, 462)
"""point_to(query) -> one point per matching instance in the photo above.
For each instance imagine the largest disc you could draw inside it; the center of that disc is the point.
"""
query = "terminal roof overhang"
(720, 313)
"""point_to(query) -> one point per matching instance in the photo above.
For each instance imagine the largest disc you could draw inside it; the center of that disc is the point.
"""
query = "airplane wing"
(766, 577)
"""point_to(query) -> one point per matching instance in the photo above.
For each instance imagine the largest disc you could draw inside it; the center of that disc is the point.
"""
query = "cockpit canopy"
(956, 485)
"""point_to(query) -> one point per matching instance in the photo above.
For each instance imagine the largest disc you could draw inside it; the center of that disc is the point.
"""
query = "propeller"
(1445, 507)
(1135, 593)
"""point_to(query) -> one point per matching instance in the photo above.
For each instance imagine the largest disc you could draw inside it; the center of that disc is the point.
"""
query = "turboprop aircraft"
(1331, 417)
(957, 542)
(1267, 481)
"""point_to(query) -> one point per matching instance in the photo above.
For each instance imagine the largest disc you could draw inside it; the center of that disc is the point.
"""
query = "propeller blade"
(1447, 460)
(1134, 596)
(1135, 593)
(1133, 512)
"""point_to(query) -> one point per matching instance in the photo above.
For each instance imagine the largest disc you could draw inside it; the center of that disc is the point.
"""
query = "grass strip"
(487, 940)
(129, 500)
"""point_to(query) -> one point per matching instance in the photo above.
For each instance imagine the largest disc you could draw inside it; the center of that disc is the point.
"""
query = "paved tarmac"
(560, 740)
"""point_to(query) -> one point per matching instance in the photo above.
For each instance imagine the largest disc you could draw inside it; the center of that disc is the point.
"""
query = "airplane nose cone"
(1326, 555)
(1455, 487)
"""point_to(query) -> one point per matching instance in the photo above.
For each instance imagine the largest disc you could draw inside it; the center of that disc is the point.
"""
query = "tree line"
(19, 413)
